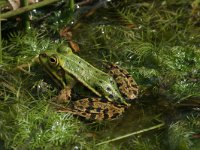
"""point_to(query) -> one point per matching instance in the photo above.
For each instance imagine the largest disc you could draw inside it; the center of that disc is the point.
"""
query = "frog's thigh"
(125, 82)
(97, 108)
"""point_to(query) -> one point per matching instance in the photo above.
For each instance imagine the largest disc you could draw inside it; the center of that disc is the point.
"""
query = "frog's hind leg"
(97, 109)
(125, 82)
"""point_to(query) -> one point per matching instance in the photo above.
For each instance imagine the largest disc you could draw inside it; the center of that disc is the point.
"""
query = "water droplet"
(76, 148)
(140, 27)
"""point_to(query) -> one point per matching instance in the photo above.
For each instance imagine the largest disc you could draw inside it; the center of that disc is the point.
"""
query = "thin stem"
(134, 133)
(0, 42)
(25, 16)
(71, 6)
(26, 9)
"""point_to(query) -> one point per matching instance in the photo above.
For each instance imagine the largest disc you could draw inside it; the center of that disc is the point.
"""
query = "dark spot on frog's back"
(115, 115)
(90, 102)
(119, 84)
(128, 100)
(106, 116)
(108, 89)
(104, 100)
(115, 76)
(105, 111)
(112, 81)
(119, 100)
(93, 116)
(83, 113)
(96, 88)
(88, 109)
(122, 70)
(98, 110)
(110, 96)
(90, 99)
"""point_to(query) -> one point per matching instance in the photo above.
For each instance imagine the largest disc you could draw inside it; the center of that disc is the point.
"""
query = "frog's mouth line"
(53, 77)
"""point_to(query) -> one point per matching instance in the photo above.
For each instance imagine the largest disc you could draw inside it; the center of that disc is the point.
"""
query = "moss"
(156, 41)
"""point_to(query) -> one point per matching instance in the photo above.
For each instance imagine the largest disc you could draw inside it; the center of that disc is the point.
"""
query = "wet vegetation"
(156, 41)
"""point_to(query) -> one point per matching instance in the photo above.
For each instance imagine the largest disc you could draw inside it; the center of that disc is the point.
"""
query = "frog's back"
(94, 79)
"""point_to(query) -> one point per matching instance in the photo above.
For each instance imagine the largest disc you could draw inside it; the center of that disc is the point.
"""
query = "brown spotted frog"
(114, 90)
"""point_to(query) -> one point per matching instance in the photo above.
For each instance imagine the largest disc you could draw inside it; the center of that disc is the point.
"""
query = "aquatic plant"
(156, 41)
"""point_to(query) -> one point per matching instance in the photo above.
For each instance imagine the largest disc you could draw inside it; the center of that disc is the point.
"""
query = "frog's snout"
(43, 55)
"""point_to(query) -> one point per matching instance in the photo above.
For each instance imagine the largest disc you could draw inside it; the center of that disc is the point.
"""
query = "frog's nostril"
(43, 55)
(108, 89)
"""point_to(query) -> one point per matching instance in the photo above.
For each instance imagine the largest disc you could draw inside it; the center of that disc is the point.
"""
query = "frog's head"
(52, 61)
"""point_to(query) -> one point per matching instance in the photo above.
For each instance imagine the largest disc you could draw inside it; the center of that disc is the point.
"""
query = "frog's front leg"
(68, 83)
(64, 96)
(97, 109)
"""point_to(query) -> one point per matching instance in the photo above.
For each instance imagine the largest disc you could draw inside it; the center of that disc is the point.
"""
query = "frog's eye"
(53, 60)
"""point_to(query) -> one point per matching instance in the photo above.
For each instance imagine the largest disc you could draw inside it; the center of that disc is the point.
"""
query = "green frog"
(114, 90)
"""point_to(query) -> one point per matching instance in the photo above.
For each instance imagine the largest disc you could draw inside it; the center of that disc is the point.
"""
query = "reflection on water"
(134, 119)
